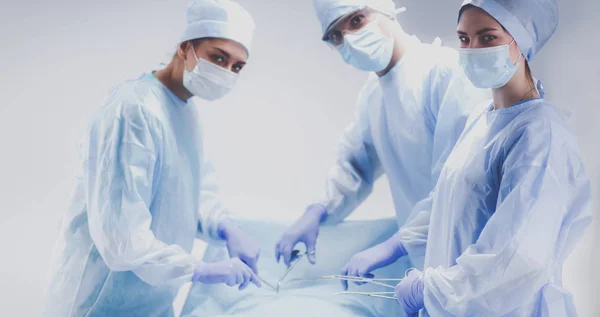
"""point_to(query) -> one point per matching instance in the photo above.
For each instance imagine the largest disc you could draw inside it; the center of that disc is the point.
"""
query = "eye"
(488, 38)
(357, 21)
(237, 68)
(463, 39)
(336, 38)
(218, 59)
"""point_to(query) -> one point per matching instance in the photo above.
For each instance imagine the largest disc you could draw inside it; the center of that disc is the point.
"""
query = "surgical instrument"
(385, 295)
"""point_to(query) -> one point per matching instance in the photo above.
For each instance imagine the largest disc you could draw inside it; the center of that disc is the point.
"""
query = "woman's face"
(225, 53)
(477, 29)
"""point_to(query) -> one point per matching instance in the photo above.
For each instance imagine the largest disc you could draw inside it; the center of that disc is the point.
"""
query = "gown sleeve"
(351, 179)
(543, 207)
(212, 212)
(119, 174)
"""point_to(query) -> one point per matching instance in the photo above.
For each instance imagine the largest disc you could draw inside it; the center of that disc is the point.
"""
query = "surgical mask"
(368, 49)
(208, 81)
(489, 67)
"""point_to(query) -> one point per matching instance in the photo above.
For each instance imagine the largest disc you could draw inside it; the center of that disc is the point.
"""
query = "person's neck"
(172, 77)
(518, 88)
(399, 48)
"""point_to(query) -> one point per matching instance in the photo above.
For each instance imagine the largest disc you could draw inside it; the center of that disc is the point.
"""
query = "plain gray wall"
(273, 138)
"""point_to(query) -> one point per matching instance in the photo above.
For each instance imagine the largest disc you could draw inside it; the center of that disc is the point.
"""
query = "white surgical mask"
(489, 67)
(208, 81)
(368, 49)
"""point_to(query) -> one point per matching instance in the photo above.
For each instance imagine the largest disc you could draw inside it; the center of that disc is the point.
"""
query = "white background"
(274, 137)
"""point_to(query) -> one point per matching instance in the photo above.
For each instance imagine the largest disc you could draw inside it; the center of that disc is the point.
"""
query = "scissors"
(295, 259)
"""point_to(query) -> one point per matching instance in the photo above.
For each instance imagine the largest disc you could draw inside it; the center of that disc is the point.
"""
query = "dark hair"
(195, 43)
(528, 72)
(462, 10)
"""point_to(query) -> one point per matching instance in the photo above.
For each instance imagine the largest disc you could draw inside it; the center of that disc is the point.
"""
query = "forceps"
(295, 259)
(374, 281)
(296, 256)
(386, 295)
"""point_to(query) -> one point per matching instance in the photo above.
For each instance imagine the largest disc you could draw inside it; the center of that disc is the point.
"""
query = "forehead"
(474, 19)
(341, 23)
(233, 48)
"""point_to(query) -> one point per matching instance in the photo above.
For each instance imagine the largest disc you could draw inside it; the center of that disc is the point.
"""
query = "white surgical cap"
(219, 19)
(330, 10)
(530, 22)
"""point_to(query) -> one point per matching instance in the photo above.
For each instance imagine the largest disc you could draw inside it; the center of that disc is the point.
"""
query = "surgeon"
(146, 187)
(409, 115)
(513, 199)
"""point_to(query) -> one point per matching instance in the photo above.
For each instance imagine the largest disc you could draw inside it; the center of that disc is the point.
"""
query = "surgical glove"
(409, 292)
(231, 272)
(239, 244)
(305, 230)
(381, 255)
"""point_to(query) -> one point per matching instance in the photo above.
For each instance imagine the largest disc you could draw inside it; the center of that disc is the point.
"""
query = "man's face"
(351, 23)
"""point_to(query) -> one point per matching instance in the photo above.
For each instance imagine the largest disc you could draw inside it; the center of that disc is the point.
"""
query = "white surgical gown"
(145, 191)
(511, 203)
(406, 125)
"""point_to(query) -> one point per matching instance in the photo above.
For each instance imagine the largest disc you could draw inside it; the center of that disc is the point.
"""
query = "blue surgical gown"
(144, 192)
(511, 203)
(407, 123)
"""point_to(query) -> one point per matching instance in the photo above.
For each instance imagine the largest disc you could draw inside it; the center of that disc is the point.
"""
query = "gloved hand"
(231, 272)
(239, 244)
(409, 292)
(305, 230)
(381, 255)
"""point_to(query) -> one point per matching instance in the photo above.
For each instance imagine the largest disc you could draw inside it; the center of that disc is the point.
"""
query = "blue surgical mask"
(368, 49)
(489, 67)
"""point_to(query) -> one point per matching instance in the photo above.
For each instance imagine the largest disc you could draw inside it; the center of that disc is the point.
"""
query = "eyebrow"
(341, 20)
(223, 52)
(485, 30)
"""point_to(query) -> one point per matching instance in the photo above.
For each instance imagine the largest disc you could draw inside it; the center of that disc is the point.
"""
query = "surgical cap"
(330, 10)
(530, 22)
(219, 19)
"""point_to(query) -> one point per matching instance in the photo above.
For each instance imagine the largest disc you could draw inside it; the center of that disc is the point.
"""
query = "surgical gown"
(407, 123)
(144, 192)
(511, 203)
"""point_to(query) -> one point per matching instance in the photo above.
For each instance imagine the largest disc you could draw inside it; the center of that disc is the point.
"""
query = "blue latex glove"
(381, 255)
(231, 272)
(305, 230)
(239, 244)
(409, 292)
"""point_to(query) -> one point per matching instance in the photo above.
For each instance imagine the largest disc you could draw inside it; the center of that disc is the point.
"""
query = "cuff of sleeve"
(197, 263)
(396, 244)
(413, 248)
(171, 276)
(401, 251)
(331, 217)
(437, 292)
(223, 217)
(416, 257)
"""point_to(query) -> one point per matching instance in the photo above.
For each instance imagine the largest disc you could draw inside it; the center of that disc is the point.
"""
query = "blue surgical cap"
(530, 22)
(219, 19)
(330, 10)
